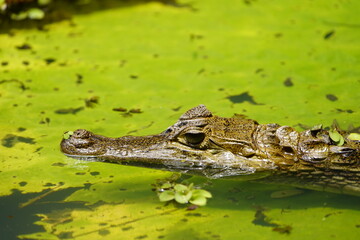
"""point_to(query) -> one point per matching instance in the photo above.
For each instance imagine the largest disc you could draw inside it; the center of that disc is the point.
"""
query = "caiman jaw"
(159, 152)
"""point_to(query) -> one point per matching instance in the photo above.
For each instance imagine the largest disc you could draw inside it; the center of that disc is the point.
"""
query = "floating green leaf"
(201, 192)
(167, 195)
(182, 193)
(199, 200)
(166, 185)
(181, 188)
(199, 197)
(182, 197)
(35, 13)
(68, 134)
(336, 137)
(354, 136)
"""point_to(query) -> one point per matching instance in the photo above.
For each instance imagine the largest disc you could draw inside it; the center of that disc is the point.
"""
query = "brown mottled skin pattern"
(215, 147)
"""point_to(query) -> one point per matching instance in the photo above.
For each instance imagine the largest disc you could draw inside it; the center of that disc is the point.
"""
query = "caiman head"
(198, 143)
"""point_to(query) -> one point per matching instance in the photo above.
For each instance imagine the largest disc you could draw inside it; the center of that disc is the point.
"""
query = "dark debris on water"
(243, 97)
(261, 219)
(10, 140)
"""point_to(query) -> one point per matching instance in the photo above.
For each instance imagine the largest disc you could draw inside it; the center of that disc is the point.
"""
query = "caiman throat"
(216, 147)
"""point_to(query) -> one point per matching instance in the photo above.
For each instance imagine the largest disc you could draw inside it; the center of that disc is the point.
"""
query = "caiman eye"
(194, 138)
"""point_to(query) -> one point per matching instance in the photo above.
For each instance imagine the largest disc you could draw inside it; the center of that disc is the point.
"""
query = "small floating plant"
(170, 191)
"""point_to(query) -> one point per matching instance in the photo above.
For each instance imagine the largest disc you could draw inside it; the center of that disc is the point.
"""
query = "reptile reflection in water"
(216, 147)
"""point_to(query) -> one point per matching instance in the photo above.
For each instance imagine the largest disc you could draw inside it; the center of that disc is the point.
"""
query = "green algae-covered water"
(133, 67)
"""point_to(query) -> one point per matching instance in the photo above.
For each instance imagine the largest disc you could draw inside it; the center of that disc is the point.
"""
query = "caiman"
(215, 147)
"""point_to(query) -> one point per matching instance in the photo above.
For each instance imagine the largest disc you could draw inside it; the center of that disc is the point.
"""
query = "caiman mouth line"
(88, 158)
(215, 147)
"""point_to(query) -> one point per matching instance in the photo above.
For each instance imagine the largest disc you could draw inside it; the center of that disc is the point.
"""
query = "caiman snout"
(81, 142)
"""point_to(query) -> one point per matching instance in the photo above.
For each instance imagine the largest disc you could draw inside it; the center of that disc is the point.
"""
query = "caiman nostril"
(81, 133)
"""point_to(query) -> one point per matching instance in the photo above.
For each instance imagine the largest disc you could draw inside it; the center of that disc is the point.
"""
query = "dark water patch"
(120, 109)
(286, 229)
(94, 173)
(262, 220)
(127, 228)
(249, 2)
(49, 185)
(21, 85)
(176, 109)
(135, 110)
(344, 110)
(69, 110)
(103, 232)
(126, 114)
(49, 61)
(18, 211)
(142, 236)
(10, 140)
(331, 214)
(65, 235)
(59, 164)
(194, 215)
(87, 186)
(288, 82)
(22, 184)
(331, 97)
(243, 97)
(122, 63)
(21, 129)
(45, 121)
(24, 46)
(195, 36)
(329, 34)
(202, 70)
(59, 10)
(92, 101)
(79, 78)
(38, 149)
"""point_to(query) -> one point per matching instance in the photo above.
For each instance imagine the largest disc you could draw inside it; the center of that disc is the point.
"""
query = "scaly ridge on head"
(197, 112)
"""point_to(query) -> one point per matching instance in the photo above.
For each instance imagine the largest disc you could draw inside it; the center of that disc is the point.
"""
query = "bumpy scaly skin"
(216, 147)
